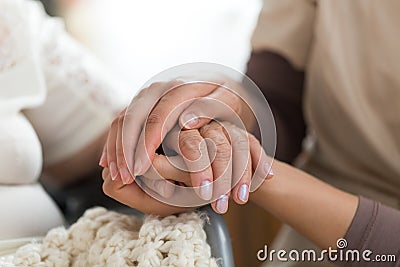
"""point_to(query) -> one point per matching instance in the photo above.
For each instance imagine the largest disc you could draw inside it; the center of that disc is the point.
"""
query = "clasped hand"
(210, 152)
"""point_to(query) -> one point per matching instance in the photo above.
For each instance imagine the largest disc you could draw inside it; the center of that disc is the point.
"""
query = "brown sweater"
(375, 227)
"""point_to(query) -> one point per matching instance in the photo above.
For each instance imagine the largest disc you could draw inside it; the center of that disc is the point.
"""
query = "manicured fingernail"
(205, 190)
(125, 175)
(243, 193)
(138, 168)
(222, 204)
(103, 160)
(271, 173)
(190, 120)
(113, 171)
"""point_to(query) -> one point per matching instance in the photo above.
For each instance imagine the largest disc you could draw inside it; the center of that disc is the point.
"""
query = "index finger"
(135, 117)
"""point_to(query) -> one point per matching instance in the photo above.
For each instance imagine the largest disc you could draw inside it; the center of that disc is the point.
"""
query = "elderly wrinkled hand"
(210, 150)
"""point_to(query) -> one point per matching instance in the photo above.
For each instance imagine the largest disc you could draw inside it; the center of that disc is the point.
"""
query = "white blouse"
(54, 100)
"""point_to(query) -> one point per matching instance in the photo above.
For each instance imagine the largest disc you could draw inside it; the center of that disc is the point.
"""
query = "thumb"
(221, 104)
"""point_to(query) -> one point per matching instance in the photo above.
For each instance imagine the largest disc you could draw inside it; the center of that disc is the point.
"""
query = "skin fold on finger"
(193, 149)
(221, 165)
(169, 106)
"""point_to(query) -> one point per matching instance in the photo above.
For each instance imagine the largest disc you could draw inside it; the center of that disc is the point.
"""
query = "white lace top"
(54, 100)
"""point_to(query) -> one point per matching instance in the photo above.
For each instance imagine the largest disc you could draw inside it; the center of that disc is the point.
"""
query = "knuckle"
(211, 130)
(154, 118)
(223, 153)
(155, 85)
(141, 93)
(189, 143)
(166, 99)
(214, 132)
(176, 82)
(242, 143)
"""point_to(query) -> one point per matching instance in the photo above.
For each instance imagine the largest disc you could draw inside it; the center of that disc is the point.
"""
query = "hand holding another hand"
(217, 158)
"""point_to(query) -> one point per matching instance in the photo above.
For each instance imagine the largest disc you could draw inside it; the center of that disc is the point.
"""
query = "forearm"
(319, 211)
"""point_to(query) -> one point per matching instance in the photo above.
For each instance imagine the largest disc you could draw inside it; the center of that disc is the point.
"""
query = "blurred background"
(137, 39)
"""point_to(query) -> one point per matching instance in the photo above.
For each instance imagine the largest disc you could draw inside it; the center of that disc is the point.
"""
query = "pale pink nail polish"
(243, 193)
(125, 175)
(190, 120)
(113, 171)
(222, 204)
(205, 190)
(271, 172)
(103, 160)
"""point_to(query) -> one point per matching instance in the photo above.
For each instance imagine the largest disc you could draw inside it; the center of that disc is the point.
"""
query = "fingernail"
(125, 175)
(138, 167)
(103, 160)
(243, 193)
(113, 171)
(160, 187)
(222, 204)
(206, 190)
(271, 173)
(190, 120)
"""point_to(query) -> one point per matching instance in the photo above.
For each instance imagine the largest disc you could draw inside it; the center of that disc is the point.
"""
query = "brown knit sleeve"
(376, 228)
(282, 86)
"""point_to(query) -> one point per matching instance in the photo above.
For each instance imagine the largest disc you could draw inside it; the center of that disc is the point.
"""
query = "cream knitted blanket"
(106, 238)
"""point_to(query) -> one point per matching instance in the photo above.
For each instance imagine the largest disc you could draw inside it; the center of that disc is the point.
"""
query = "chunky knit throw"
(106, 238)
